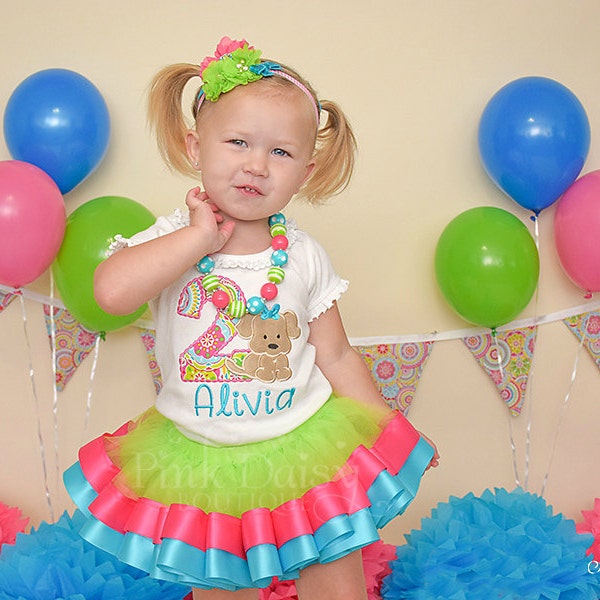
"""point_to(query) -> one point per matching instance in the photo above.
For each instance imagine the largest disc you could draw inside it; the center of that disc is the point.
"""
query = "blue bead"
(255, 305)
(206, 265)
(277, 218)
(279, 258)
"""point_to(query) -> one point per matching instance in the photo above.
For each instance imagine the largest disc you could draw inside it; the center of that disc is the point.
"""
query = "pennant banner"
(507, 360)
(6, 298)
(395, 362)
(396, 369)
(586, 328)
(149, 341)
(73, 343)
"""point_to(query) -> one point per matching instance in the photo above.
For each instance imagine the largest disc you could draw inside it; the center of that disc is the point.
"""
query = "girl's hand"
(435, 460)
(205, 216)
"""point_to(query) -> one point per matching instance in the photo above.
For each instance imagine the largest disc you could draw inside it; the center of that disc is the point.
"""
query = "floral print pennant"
(396, 369)
(586, 327)
(149, 341)
(507, 359)
(6, 298)
(73, 343)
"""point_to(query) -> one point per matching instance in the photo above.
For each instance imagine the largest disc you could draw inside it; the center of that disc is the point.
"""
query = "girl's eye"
(237, 142)
(280, 152)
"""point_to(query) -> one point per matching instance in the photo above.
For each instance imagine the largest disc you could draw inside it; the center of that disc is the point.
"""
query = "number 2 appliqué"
(204, 359)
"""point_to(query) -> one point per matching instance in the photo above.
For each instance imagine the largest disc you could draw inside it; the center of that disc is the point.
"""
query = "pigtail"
(165, 114)
(335, 152)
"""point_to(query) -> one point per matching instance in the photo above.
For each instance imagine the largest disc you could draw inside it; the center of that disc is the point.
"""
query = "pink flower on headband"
(225, 46)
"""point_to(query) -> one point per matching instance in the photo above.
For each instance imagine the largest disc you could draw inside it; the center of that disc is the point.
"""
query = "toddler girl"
(270, 451)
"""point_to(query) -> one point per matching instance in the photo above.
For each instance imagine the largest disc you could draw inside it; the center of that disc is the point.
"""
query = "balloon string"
(38, 414)
(530, 379)
(54, 388)
(511, 436)
(88, 404)
(562, 413)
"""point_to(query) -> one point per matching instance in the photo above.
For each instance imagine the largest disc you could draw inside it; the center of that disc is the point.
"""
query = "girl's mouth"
(249, 190)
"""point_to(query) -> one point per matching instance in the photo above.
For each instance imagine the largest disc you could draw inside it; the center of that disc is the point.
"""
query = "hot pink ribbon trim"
(344, 495)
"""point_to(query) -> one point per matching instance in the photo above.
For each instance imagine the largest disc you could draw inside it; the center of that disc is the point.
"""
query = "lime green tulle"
(158, 462)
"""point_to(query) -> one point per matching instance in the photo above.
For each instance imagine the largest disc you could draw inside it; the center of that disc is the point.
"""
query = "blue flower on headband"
(265, 69)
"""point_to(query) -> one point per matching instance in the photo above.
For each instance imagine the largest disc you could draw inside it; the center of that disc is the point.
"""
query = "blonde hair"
(335, 144)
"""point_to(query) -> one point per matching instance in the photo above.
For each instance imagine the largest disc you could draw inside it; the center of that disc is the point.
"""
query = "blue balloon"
(58, 121)
(534, 137)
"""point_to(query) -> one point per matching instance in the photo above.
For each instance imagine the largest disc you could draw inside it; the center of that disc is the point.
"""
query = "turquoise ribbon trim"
(391, 494)
(182, 560)
(337, 528)
(365, 533)
(81, 492)
(176, 561)
(264, 564)
(138, 551)
(101, 535)
(296, 554)
(223, 568)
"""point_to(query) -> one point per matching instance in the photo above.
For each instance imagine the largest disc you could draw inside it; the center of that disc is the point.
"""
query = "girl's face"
(254, 148)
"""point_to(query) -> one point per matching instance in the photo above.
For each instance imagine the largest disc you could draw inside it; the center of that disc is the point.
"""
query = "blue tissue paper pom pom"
(55, 563)
(502, 545)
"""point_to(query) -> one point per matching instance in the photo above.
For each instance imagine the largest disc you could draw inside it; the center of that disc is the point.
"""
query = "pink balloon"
(577, 232)
(32, 222)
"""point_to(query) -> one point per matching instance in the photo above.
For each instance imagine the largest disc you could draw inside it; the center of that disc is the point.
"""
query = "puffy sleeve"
(325, 286)
(161, 226)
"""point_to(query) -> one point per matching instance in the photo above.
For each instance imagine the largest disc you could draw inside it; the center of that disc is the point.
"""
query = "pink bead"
(279, 242)
(220, 299)
(269, 291)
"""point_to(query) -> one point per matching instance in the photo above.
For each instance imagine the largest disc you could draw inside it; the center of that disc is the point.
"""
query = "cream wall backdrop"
(413, 77)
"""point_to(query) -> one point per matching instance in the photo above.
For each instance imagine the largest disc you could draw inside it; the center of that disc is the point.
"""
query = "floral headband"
(237, 63)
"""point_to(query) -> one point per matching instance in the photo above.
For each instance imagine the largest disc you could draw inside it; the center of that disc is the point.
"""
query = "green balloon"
(90, 230)
(487, 266)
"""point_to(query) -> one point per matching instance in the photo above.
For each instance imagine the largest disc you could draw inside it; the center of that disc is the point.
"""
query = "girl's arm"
(340, 363)
(343, 366)
(134, 275)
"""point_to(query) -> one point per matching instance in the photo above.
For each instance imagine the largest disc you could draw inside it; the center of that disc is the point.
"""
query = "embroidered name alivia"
(233, 403)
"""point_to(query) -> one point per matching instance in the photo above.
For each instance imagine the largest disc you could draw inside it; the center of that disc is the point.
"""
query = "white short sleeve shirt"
(229, 381)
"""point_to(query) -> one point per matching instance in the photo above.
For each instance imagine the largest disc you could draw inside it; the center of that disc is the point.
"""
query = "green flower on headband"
(230, 70)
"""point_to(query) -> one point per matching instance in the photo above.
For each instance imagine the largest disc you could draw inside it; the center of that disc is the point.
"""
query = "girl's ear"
(310, 167)
(193, 148)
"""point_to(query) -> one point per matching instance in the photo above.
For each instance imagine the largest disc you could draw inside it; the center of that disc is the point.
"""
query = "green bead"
(236, 309)
(276, 274)
(278, 229)
(210, 283)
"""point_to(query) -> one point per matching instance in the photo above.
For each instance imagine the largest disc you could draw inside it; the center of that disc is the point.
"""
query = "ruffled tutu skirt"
(234, 517)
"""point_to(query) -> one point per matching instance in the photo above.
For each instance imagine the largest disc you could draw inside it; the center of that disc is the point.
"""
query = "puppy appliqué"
(270, 343)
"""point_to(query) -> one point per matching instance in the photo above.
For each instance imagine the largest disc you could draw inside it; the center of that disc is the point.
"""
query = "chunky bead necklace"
(221, 296)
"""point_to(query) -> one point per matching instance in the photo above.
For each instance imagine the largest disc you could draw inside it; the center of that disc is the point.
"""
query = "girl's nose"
(256, 164)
